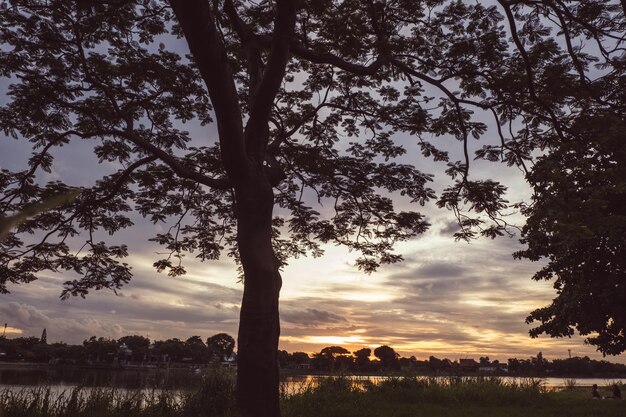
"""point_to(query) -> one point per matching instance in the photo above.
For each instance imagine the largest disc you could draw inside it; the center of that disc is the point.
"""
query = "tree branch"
(455, 101)
(171, 161)
(250, 44)
(208, 50)
(257, 129)
(119, 182)
(529, 68)
(328, 58)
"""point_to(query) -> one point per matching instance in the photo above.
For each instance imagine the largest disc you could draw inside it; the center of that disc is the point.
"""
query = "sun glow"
(327, 340)
(378, 297)
(11, 330)
(511, 307)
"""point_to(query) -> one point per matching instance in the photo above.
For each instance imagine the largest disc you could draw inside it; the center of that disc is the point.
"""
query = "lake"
(20, 377)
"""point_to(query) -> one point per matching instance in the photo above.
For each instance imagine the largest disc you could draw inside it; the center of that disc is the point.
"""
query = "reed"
(325, 397)
(570, 383)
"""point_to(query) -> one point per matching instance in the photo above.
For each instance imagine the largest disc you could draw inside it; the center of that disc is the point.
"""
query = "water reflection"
(297, 384)
(62, 379)
(122, 378)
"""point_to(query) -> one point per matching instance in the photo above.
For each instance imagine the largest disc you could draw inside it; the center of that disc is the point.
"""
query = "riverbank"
(327, 397)
(177, 380)
(299, 373)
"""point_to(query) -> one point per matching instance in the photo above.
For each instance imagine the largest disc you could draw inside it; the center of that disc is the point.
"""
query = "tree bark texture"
(259, 325)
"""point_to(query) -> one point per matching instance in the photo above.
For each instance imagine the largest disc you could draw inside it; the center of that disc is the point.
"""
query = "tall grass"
(325, 397)
(344, 397)
(213, 398)
(490, 390)
(487, 390)
(570, 383)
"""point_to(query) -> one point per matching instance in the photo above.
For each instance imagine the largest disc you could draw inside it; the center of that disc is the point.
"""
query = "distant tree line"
(337, 359)
(385, 359)
(127, 349)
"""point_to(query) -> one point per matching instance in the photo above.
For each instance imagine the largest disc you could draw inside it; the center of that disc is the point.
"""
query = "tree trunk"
(259, 325)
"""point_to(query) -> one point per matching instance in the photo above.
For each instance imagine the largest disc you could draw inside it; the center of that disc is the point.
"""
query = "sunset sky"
(447, 299)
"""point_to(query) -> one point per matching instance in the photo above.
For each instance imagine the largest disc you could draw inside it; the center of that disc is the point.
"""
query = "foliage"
(314, 102)
(137, 344)
(7, 223)
(102, 350)
(196, 349)
(331, 397)
(334, 351)
(388, 357)
(362, 358)
(334, 134)
(300, 357)
(314, 403)
(175, 350)
(443, 397)
(214, 397)
(578, 221)
(221, 346)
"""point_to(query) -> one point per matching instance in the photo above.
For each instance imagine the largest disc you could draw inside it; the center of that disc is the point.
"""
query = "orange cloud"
(12, 330)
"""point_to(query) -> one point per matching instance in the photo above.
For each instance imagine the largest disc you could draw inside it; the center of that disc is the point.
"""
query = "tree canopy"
(388, 356)
(577, 220)
(221, 345)
(103, 73)
(310, 107)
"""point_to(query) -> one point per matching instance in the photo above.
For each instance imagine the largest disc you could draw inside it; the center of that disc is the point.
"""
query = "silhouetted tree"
(325, 359)
(388, 357)
(362, 358)
(197, 349)
(577, 220)
(72, 354)
(435, 364)
(300, 358)
(332, 351)
(407, 363)
(41, 352)
(173, 349)
(100, 349)
(283, 358)
(220, 346)
(344, 363)
(308, 98)
(137, 344)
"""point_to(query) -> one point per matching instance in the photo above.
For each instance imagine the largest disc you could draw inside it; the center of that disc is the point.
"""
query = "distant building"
(468, 365)
(230, 361)
(44, 337)
(493, 368)
(124, 350)
(447, 363)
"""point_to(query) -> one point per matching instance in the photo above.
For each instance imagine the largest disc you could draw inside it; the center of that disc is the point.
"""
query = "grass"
(570, 383)
(329, 397)
(213, 398)
(452, 397)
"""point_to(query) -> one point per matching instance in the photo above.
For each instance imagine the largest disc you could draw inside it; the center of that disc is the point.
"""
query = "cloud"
(449, 228)
(311, 317)
(158, 306)
(32, 321)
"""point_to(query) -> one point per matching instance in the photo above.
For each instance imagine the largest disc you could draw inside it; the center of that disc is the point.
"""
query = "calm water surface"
(63, 379)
